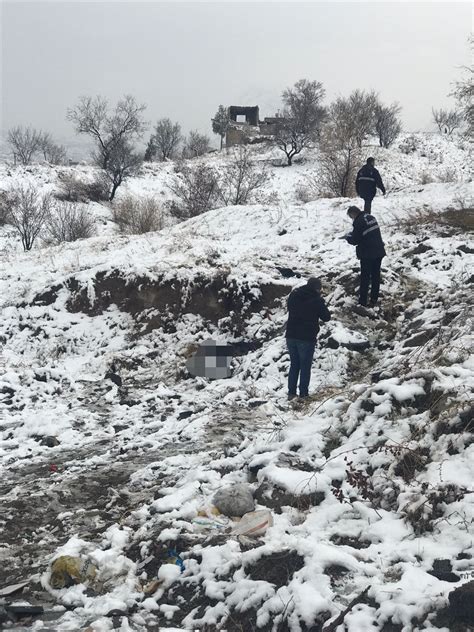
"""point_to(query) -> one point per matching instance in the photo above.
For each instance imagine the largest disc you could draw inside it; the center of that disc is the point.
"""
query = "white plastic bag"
(254, 523)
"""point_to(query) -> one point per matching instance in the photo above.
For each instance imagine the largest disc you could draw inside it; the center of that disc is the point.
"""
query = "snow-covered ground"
(112, 452)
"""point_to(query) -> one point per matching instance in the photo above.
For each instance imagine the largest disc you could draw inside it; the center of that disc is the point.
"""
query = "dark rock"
(50, 442)
(282, 232)
(118, 428)
(332, 343)
(445, 577)
(255, 403)
(461, 603)
(41, 377)
(129, 402)
(242, 347)
(116, 379)
(275, 498)
(466, 249)
(185, 414)
(276, 568)
(419, 250)
(347, 540)
(287, 273)
(421, 338)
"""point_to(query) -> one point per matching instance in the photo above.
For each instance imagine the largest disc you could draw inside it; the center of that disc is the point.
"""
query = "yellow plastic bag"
(67, 571)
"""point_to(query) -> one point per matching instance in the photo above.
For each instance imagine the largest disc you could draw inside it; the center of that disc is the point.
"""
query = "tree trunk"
(115, 186)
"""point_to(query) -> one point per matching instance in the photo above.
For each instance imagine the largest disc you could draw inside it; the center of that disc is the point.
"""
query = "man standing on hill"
(305, 308)
(367, 182)
(366, 237)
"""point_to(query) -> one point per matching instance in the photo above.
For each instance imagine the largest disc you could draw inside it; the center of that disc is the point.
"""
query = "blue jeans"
(301, 357)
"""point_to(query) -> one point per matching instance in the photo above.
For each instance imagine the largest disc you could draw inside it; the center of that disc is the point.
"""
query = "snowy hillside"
(112, 452)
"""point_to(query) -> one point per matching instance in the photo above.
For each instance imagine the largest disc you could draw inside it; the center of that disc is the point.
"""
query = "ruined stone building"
(246, 127)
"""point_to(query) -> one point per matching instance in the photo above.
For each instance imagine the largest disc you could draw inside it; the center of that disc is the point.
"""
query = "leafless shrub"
(4, 208)
(196, 144)
(196, 191)
(448, 175)
(28, 211)
(135, 216)
(409, 145)
(73, 189)
(426, 177)
(241, 179)
(351, 119)
(25, 142)
(418, 218)
(309, 189)
(447, 121)
(338, 165)
(68, 222)
(387, 123)
(463, 202)
(52, 152)
(164, 142)
(464, 95)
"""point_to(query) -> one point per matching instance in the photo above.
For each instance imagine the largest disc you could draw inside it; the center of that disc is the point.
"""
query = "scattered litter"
(67, 571)
(174, 558)
(12, 589)
(234, 501)
(254, 523)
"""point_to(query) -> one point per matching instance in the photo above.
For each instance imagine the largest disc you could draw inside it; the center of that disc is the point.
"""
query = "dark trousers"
(367, 204)
(301, 357)
(369, 275)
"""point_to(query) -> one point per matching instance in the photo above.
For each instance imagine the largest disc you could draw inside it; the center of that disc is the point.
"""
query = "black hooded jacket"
(367, 182)
(305, 308)
(366, 237)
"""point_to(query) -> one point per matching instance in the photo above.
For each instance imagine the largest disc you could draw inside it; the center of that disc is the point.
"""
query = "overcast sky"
(183, 59)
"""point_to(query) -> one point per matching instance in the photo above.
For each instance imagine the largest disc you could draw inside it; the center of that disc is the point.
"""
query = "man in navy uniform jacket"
(305, 308)
(367, 182)
(366, 237)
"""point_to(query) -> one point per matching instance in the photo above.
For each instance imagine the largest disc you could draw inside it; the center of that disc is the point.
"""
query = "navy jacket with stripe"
(368, 180)
(366, 237)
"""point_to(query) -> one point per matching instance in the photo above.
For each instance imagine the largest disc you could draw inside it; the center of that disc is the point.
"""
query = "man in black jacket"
(366, 237)
(367, 182)
(305, 308)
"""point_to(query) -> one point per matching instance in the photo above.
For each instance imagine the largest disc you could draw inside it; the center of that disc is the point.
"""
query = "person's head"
(353, 211)
(371, 162)
(314, 285)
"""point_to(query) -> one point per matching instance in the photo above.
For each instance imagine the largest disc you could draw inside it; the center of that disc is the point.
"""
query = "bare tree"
(135, 216)
(291, 140)
(109, 130)
(196, 144)
(387, 123)
(165, 140)
(68, 222)
(464, 94)
(339, 160)
(196, 190)
(28, 211)
(220, 122)
(25, 143)
(352, 118)
(52, 152)
(122, 163)
(447, 121)
(73, 189)
(302, 118)
(241, 179)
(303, 104)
